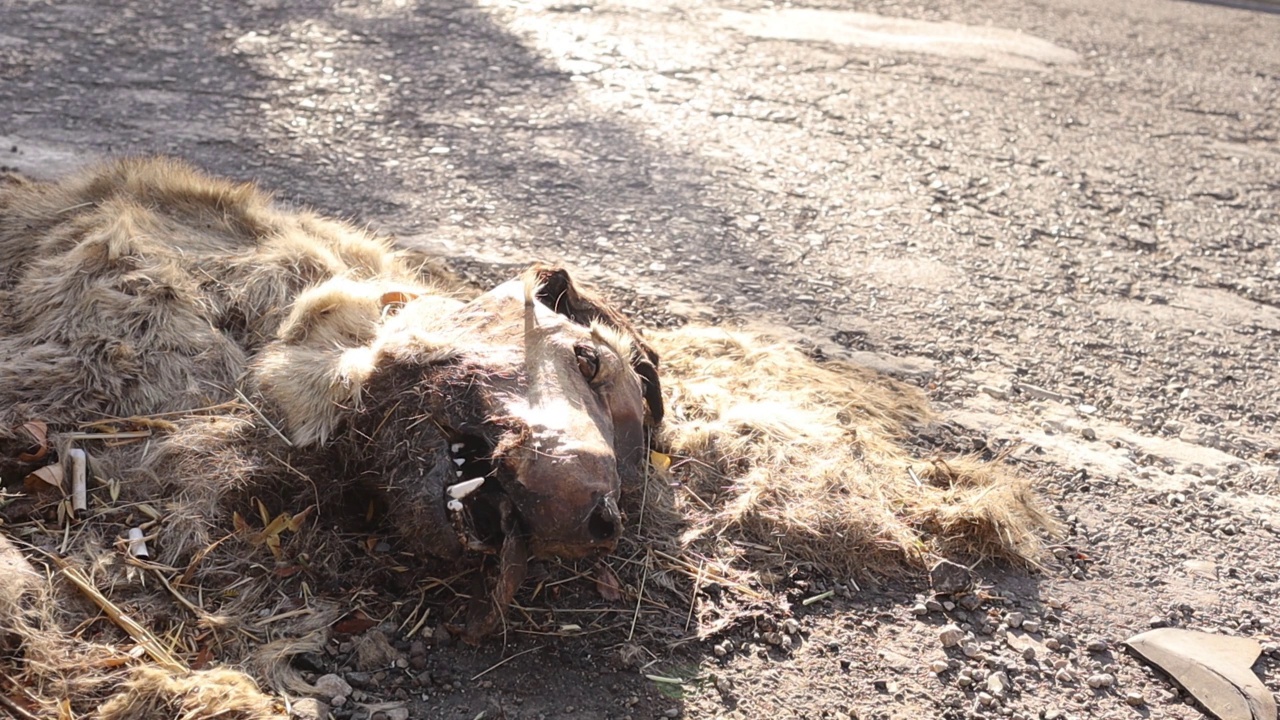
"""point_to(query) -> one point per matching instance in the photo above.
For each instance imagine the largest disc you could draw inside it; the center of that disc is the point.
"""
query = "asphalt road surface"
(1061, 218)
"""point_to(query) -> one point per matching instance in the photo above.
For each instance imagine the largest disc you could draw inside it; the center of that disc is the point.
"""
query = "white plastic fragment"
(138, 543)
(79, 481)
(465, 488)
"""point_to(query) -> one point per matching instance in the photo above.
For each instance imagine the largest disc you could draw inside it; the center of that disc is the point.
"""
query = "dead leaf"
(660, 461)
(202, 658)
(1215, 669)
(607, 583)
(296, 521)
(46, 479)
(238, 522)
(354, 624)
(39, 432)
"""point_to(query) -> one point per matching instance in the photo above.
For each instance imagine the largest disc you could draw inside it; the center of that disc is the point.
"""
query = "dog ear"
(556, 290)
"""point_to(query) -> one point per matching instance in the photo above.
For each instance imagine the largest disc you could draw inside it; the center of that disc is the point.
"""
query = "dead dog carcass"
(504, 424)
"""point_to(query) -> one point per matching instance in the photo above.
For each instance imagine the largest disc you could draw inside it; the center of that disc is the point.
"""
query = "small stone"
(985, 699)
(773, 638)
(672, 713)
(1101, 680)
(332, 687)
(950, 635)
(1064, 676)
(1014, 619)
(998, 684)
(1135, 698)
(919, 609)
(1087, 409)
(1053, 644)
(1097, 645)
(1088, 433)
(310, 709)
(994, 392)
(1031, 626)
(964, 681)
(948, 578)
(933, 605)
(791, 626)
(1157, 621)
(938, 666)
(971, 650)
(970, 602)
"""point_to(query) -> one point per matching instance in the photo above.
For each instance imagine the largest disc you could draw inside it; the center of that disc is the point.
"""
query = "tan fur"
(143, 286)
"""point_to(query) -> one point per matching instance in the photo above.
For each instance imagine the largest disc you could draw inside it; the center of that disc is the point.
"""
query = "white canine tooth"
(458, 473)
(459, 462)
(455, 447)
(454, 506)
(465, 488)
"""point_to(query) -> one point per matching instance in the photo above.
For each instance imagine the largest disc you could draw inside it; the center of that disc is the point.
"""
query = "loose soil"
(1058, 218)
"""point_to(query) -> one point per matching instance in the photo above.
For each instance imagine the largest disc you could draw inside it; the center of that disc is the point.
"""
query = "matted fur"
(768, 447)
(806, 458)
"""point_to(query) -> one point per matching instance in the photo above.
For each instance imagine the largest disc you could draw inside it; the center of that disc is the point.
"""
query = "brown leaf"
(202, 658)
(238, 521)
(607, 583)
(39, 432)
(46, 479)
(354, 624)
(660, 461)
(296, 521)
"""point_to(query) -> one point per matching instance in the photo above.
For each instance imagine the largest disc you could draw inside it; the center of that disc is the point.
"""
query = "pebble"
(920, 609)
(1101, 680)
(1053, 644)
(1088, 433)
(998, 684)
(791, 626)
(1135, 698)
(1014, 619)
(971, 649)
(1031, 626)
(985, 699)
(938, 666)
(310, 709)
(1064, 676)
(994, 392)
(950, 635)
(1097, 645)
(332, 686)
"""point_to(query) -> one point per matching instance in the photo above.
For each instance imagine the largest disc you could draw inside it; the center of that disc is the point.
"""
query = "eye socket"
(588, 361)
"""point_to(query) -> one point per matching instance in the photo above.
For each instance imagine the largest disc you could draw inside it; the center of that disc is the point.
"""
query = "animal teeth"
(454, 506)
(465, 488)
(458, 473)
(456, 447)
(459, 462)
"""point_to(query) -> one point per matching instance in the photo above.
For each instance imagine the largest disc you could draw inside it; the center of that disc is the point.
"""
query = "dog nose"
(606, 521)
